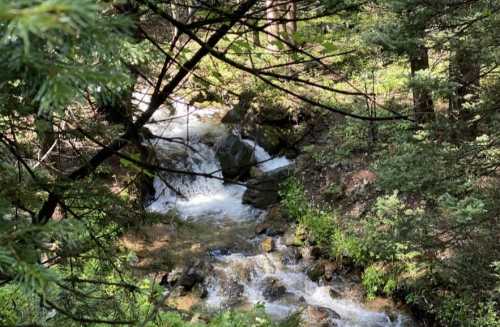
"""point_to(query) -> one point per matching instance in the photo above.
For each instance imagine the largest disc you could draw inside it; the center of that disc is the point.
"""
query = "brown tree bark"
(422, 97)
(465, 73)
(272, 27)
(291, 16)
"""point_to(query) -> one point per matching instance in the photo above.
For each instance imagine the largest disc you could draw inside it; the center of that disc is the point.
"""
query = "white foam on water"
(267, 163)
(193, 197)
(298, 286)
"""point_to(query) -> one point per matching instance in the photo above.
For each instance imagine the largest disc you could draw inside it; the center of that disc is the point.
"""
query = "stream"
(240, 268)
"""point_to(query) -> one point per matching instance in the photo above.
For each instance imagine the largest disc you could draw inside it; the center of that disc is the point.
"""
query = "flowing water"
(190, 136)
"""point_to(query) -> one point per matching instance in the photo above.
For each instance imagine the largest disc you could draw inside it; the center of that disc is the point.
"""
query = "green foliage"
(463, 312)
(294, 199)
(375, 281)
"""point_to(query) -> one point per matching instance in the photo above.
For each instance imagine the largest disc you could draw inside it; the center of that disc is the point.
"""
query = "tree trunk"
(422, 96)
(256, 38)
(272, 26)
(291, 24)
(465, 73)
(45, 132)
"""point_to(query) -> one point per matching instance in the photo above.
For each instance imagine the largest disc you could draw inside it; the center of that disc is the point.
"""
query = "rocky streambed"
(251, 252)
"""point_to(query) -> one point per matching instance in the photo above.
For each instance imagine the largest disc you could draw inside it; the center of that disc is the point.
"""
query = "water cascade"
(193, 135)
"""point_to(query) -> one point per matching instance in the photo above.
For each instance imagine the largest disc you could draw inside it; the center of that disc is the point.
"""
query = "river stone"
(190, 278)
(315, 271)
(310, 252)
(334, 294)
(185, 278)
(263, 191)
(233, 116)
(267, 244)
(233, 292)
(236, 157)
(318, 316)
(291, 256)
(330, 267)
(273, 289)
(256, 172)
(262, 228)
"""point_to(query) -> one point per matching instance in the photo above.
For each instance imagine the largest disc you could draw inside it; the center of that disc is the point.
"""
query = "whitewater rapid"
(197, 198)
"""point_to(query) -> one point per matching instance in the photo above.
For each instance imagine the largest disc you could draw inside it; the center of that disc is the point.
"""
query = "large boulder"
(236, 157)
(184, 278)
(290, 256)
(233, 292)
(317, 316)
(263, 191)
(273, 289)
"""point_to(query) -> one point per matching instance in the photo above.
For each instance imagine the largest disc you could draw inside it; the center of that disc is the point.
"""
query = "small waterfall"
(194, 197)
(267, 163)
(193, 135)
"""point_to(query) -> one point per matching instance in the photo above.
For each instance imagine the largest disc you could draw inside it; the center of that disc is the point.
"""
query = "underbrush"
(430, 235)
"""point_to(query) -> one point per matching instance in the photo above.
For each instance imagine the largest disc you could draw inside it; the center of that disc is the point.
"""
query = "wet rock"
(219, 252)
(315, 271)
(267, 245)
(291, 256)
(236, 157)
(275, 214)
(317, 316)
(262, 228)
(334, 293)
(145, 182)
(190, 278)
(256, 172)
(233, 116)
(233, 292)
(310, 252)
(200, 291)
(274, 222)
(184, 278)
(263, 191)
(330, 267)
(171, 278)
(273, 289)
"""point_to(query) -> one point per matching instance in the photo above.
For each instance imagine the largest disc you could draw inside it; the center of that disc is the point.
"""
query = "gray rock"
(263, 191)
(315, 271)
(236, 157)
(262, 228)
(320, 316)
(291, 256)
(233, 292)
(184, 278)
(190, 278)
(273, 289)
